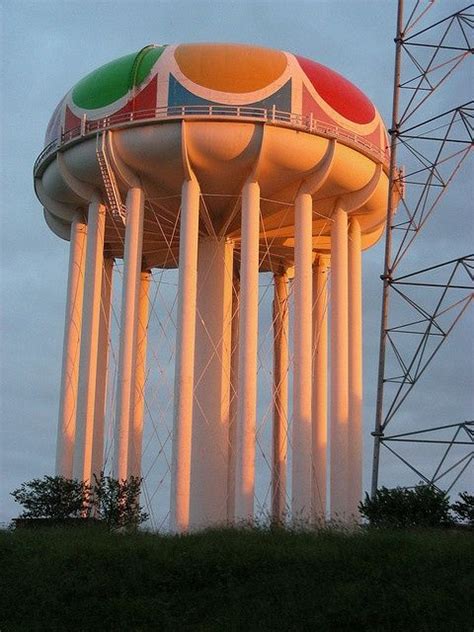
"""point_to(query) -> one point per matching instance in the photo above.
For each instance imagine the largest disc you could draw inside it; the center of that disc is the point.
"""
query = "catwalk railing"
(306, 123)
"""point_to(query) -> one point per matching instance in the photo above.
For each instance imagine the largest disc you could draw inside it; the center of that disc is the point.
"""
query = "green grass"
(86, 579)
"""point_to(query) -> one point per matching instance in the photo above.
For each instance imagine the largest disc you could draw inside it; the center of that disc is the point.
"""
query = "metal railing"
(306, 123)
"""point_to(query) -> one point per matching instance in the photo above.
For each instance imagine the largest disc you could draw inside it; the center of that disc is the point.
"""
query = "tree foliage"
(422, 506)
(464, 508)
(116, 503)
(53, 497)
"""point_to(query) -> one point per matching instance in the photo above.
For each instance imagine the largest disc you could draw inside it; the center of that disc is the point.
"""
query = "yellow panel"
(230, 67)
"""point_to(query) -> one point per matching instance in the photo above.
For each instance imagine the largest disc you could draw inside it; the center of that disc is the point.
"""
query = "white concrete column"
(247, 383)
(302, 284)
(132, 262)
(102, 368)
(234, 372)
(136, 430)
(355, 368)
(89, 341)
(184, 370)
(210, 432)
(320, 386)
(71, 348)
(339, 366)
(280, 395)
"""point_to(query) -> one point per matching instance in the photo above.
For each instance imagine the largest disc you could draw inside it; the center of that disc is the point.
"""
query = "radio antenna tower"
(432, 143)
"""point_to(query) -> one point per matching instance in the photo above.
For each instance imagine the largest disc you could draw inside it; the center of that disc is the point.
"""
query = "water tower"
(262, 161)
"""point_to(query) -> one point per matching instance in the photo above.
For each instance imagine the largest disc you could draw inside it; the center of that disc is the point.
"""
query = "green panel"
(109, 83)
(104, 85)
(148, 59)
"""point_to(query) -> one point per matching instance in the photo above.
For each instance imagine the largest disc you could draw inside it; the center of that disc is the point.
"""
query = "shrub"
(118, 502)
(464, 508)
(422, 506)
(53, 497)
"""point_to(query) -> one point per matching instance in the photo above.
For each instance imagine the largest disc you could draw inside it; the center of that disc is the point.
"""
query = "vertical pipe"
(355, 368)
(378, 431)
(280, 395)
(210, 432)
(184, 371)
(320, 385)
(102, 368)
(247, 384)
(339, 366)
(71, 348)
(136, 429)
(234, 371)
(302, 283)
(89, 341)
(132, 261)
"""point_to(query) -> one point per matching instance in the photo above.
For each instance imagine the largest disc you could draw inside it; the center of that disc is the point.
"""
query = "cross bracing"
(432, 142)
(456, 443)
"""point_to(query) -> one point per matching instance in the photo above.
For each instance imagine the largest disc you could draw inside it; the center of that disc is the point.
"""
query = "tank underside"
(222, 155)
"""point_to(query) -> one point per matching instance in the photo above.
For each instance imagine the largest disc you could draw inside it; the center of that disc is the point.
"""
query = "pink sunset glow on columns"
(220, 166)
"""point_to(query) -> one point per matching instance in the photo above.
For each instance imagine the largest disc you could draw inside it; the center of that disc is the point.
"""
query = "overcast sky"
(46, 48)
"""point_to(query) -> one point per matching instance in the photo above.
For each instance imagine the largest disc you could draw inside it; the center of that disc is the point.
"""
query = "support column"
(234, 371)
(280, 396)
(302, 283)
(132, 262)
(355, 459)
(184, 371)
(339, 366)
(102, 368)
(247, 384)
(320, 385)
(210, 432)
(71, 348)
(136, 430)
(89, 341)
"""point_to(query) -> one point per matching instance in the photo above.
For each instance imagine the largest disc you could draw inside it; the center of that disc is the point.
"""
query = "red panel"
(146, 99)
(309, 105)
(374, 137)
(127, 108)
(339, 93)
(71, 121)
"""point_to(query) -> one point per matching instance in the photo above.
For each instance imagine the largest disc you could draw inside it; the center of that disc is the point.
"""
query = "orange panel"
(230, 67)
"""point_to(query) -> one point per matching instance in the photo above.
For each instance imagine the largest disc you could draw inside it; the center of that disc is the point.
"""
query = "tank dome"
(223, 111)
(168, 76)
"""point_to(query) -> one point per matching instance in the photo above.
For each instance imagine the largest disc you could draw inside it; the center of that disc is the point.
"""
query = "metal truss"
(432, 144)
(450, 465)
(451, 284)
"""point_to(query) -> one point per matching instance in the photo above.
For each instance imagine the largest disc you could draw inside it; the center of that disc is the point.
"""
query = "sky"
(46, 47)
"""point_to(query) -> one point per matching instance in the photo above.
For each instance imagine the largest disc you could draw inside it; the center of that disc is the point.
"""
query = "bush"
(53, 497)
(422, 506)
(464, 508)
(118, 502)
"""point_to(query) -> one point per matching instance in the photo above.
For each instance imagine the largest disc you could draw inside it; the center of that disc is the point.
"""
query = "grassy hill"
(254, 580)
